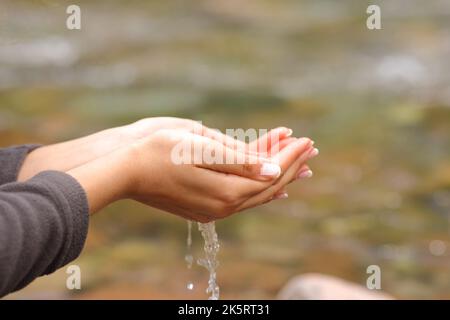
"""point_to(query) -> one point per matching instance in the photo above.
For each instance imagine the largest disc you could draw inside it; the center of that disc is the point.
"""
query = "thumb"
(221, 158)
(263, 170)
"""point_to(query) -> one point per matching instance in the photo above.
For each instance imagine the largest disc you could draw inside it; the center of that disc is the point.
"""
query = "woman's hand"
(145, 171)
(110, 150)
(71, 154)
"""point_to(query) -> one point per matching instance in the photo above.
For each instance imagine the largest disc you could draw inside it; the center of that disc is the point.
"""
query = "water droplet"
(189, 259)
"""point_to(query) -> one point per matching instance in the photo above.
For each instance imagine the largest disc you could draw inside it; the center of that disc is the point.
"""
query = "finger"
(211, 178)
(304, 173)
(220, 158)
(263, 170)
(262, 145)
(268, 140)
(227, 188)
(280, 146)
(286, 157)
(267, 194)
(303, 168)
(281, 194)
(226, 140)
(260, 168)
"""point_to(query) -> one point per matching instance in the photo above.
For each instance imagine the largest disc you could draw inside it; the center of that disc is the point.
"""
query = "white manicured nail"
(305, 174)
(270, 169)
(283, 195)
(289, 133)
(314, 152)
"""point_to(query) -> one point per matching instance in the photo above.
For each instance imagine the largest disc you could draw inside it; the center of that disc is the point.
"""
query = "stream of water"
(209, 261)
(189, 258)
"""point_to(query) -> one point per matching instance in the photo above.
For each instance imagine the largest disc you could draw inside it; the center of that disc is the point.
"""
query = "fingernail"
(305, 174)
(270, 169)
(289, 132)
(304, 140)
(283, 195)
(314, 152)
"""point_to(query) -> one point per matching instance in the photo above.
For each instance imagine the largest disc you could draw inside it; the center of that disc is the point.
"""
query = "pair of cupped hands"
(135, 161)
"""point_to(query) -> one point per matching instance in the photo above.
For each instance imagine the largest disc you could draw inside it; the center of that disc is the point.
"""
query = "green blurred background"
(377, 103)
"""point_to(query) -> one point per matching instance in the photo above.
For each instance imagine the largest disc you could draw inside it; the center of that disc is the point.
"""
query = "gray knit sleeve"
(11, 160)
(43, 226)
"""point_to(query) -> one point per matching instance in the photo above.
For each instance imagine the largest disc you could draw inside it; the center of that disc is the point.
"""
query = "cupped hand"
(209, 191)
(70, 154)
(145, 171)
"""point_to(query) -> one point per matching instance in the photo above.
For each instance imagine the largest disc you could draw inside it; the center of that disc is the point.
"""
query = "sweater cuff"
(11, 160)
(72, 199)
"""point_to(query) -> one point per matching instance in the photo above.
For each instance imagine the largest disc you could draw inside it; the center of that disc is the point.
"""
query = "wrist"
(31, 165)
(106, 179)
(125, 167)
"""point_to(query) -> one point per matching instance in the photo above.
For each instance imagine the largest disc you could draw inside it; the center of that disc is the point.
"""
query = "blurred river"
(377, 103)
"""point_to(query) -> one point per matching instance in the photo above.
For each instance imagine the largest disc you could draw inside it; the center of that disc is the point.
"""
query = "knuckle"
(248, 169)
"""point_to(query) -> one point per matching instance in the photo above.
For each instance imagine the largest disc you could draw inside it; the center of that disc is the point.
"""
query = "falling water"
(188, 257)
(209, 261)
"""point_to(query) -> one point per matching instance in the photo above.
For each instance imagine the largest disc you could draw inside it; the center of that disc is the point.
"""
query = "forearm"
(105, 179)
(67, 155)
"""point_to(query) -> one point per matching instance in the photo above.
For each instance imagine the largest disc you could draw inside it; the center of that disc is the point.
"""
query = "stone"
(323, 287)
